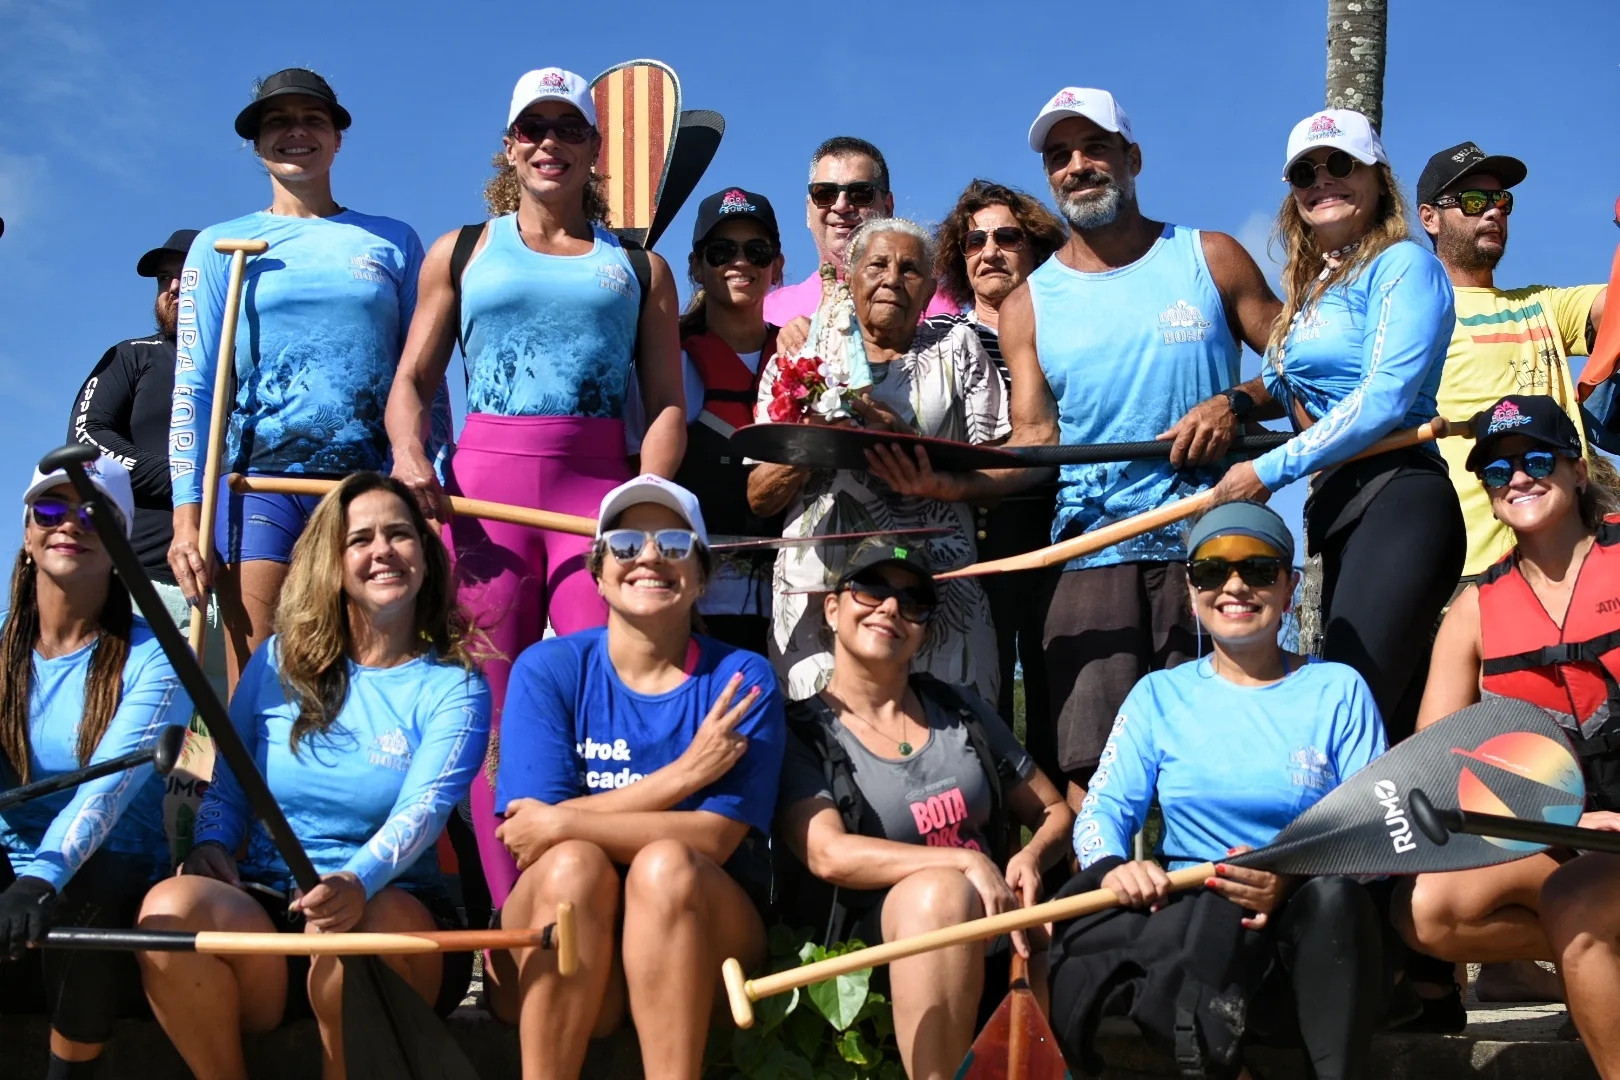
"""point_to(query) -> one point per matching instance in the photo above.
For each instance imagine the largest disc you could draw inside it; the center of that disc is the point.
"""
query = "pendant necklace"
(902, 745)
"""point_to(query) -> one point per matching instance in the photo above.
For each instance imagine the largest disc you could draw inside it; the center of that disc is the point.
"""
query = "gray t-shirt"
(939, 796)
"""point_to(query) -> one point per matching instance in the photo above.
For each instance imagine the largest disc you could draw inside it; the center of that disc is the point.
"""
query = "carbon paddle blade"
(696, 142)
(1017, 1043)
(1501, 756)
(815, 447)
(722, 544)
(638, 104)
(390, 1033)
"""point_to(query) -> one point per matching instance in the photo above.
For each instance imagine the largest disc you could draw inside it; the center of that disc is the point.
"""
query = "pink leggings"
(511, 577)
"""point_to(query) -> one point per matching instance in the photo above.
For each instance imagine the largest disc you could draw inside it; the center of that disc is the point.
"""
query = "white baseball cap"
(648, 488)
(552, 84)
(1098, 106)
(109, 477)
(1342, 129)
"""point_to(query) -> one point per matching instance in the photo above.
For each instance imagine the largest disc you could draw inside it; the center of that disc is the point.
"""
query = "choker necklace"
(1339, 253)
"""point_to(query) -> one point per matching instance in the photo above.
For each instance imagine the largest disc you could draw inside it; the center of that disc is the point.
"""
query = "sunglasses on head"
(626, 545)
(861, 193)
(1537, 465)
(51, 513)
(1339, 164)
(916, 606)
(722, 252)
(532, 129)
(1257, 572)
(1007, 238)
(1475, 203)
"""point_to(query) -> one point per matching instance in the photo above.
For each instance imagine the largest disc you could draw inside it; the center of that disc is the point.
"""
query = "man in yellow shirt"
(1507, 341)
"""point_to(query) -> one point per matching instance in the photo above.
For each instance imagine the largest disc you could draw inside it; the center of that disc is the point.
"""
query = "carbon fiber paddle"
(163, 753)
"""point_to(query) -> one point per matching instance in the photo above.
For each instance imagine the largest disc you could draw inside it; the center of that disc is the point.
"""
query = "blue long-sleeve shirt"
(52, 836)
(1365, 359)
(1230, 764)
(370, 794)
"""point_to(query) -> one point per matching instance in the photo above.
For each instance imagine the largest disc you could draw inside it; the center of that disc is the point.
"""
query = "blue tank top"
(1127, 353)
(548, 335)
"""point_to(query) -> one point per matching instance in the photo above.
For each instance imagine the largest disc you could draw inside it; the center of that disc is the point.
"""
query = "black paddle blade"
(390, 1033)
(1501, 756)
(170, 745)
(816, 447)
(697, 138)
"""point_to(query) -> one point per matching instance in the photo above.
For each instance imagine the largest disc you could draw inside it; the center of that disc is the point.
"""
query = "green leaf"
(891, 1070)
(840, 999)
(852, 1047)
(771, 1011)
(807, 1033)
(810, 952)
(796, 1068)
(781, 941)
(749, 1049)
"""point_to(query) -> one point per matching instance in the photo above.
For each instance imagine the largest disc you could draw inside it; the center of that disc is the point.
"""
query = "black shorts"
(453, 983)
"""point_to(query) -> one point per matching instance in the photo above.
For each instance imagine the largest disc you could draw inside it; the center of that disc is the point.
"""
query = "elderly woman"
(989, 243)
(904, 795)
(927, 380)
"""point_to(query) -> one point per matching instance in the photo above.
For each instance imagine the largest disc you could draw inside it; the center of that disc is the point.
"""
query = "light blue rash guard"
(52, 836)
(369, 795)
(1364, 360)
(323, 320)
(1230, 764)
(1127, 353)
(548, 335)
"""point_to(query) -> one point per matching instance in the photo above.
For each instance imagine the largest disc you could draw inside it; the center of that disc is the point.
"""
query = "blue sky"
(116, 124)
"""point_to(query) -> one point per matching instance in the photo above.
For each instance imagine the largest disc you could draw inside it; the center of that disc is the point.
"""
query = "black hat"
(1451, 165)
(731, 203)
(291, 81)
(179, 240)
(1535, 416)
(888, 551)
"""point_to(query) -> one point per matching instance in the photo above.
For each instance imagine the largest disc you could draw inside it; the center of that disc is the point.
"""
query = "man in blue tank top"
(1133, 332)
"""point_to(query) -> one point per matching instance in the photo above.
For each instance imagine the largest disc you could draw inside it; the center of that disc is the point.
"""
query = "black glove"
(25, 915)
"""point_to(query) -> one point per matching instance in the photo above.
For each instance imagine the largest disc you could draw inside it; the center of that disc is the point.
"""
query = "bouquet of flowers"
(804, 387)
(831, 368)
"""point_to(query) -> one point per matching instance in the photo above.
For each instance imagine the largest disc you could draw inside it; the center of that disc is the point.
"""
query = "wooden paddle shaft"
(743, 992)
(219, 418)
(477, 508)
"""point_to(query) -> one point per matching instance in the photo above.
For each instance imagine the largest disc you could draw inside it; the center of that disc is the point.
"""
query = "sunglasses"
(1007, 238)
(51, 513)
(1537, 465)
(1257, 572)
(530, 129)
(718, 253)
(861, 193)
(1302, 173)
(626, 545)
(916, 606)
(1475, 203)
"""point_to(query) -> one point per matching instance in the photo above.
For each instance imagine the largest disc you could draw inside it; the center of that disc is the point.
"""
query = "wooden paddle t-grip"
(567, 941)
(219, 417)
(737, 992)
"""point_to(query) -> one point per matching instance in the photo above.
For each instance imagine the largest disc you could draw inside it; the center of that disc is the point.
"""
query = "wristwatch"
(1242, 404)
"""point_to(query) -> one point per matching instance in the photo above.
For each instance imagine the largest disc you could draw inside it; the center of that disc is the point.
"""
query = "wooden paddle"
(1360, 827)
(478, 508)
(220, 417)
(1017, 1043)
(638, 106)
(1170, 513)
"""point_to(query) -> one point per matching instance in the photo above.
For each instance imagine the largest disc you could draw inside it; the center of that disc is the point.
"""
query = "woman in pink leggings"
(553, 326)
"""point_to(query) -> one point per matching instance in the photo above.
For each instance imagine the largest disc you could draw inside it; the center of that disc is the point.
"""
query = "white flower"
(830, 401)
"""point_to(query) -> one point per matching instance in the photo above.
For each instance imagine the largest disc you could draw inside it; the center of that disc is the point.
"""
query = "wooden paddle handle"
(742, 992)
(476, 508)
(219, 418)
(566, 940)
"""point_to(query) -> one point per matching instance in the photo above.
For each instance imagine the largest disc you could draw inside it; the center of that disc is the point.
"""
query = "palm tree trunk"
(1356, 32)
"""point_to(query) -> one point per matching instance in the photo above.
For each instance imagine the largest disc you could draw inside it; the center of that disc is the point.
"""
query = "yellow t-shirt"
(1507, 341)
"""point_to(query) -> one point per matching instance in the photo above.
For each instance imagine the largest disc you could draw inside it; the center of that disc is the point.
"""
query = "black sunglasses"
(1302, 173)
(532, 129)
(626, 545)
(916, 606)
(1007, 238)
(1475, 203)
(861, 193)
(50, 513)
(721, 252)
(1537, 465)
(1257, 571)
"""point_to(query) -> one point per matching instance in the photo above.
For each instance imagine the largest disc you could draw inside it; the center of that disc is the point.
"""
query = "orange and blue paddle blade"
(1017, 1043)
(638, 108)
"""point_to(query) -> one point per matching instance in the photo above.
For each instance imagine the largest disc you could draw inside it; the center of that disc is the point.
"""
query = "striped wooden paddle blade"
(1017, 1043)
(638, 108)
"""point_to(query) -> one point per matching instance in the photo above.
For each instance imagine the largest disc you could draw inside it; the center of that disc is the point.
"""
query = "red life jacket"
(710, 470)
(729, 388)
(1573, 671)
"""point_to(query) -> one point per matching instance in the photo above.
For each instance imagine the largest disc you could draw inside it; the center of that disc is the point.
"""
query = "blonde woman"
(369, 719)
(1356, 354)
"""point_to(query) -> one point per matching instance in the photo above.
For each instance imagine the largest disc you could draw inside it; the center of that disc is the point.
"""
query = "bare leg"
(936, 994)
(556, 1016)
(1477, 916)
(683, 916)
(205, 1002)
(1583, 925)
(247, 595)
(68, 1050)
(1518, 980)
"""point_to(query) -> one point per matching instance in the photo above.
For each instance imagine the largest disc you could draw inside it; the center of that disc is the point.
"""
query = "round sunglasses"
(1339, 164)
(532, 129)
(626, 545)
(1007, 238)
(860, 193)
(916, 606)
(1537, 465)
(50, 512)
(1475, 203)
(723, 252)
(1256, 571)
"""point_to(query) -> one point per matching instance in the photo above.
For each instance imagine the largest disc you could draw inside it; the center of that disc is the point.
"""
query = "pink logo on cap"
(1506, 415)
(1323, 127)
(1064, 100)
(552, 80)
(735, 202)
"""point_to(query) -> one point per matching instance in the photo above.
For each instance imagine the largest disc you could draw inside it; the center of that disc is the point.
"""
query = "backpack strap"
(460, 256)
(809, 721)
(641, 264)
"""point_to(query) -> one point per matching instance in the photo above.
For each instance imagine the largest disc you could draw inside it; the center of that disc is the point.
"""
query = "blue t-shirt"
(323, 320)
(371, 794)
(571, 727)
(52, 836)
(1230, 764)
(1365, 360)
